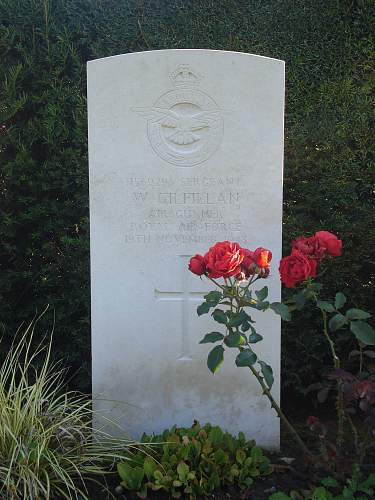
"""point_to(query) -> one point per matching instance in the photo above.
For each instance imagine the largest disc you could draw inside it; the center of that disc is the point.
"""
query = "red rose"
(313, 266)
(331, 242)
(262, 257)
(224, 259)
(248, 258)
(295, 268)
(248, 265)
(312, 247)
(197, 265)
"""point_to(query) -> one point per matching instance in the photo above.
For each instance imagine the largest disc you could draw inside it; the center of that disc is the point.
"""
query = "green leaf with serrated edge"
(262, 294)
(267, 373)
(340, 300)
(262, 306)
(246, 358)
(215, 359)
(282, 310)
(235, 340)
(337, 321)
(299, 299)
(245, 326)
(220, 316)
(203, 308)
(211, 338)
(357, 314)
(254, 337)
(213, 298)
(237, 319)
(325, 306)
(363, 332)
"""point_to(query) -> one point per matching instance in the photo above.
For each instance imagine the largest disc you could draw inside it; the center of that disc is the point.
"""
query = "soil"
(290, 472)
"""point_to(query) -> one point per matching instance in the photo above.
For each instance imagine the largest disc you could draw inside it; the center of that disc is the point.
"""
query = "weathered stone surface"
(186, 149)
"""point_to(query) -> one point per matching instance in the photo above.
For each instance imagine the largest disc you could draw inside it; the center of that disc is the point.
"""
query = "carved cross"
(184, 297)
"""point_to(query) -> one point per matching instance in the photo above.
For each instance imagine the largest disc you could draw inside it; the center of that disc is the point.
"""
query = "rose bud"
(197, 265)
(331, 242)
(262, 257)
(264, 272)
(248, 265)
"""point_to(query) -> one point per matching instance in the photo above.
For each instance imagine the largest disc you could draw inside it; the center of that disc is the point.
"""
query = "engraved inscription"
(185, 125)
(182, 210)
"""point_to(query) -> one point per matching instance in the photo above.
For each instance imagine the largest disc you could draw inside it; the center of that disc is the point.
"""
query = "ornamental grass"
(47, 446)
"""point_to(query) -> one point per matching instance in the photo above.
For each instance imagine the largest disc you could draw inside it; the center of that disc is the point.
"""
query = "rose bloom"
(262, 257)
(248, 258)
(331, 242)
(296, 268)
(224, 259)
(197, 265)
(256, 262)
(312, 247)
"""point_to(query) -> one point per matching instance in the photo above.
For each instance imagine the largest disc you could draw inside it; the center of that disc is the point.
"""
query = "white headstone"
(186, 149)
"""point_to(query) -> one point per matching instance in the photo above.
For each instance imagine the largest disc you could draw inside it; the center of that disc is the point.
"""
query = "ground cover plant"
(47, 446)
(193, 462)
(355, 486)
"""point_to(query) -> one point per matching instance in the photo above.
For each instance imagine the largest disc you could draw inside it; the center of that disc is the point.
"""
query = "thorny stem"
(340, 396)
(216, 283)
(365, 446)
(274, 405)
(280, 413)
(355, 434)
(360, 359)
(252, 280)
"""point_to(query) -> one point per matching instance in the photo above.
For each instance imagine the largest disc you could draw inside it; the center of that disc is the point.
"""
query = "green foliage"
(355, 487)
(47, 446)
(354, 318)
(193, 462)
(237, 322)
(215, 358)
(328, 47)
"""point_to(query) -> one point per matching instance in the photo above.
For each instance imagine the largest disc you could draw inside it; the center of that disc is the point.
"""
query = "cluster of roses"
(306, 254)
(226, 259)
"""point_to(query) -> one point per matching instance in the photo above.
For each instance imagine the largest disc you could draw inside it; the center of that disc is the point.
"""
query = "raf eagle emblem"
(183, 127)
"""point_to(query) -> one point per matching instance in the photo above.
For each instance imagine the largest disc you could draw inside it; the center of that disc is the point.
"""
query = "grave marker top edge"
(145, 53)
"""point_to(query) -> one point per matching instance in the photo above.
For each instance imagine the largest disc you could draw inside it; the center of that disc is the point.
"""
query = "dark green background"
(329, 148)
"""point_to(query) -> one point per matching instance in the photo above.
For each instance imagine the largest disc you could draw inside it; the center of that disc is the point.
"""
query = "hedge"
(329, 51)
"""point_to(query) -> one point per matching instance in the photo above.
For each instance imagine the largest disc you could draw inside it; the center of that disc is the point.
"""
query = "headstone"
(185, 149)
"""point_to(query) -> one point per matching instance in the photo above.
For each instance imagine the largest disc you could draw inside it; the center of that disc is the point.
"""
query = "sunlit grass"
(47, 446)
